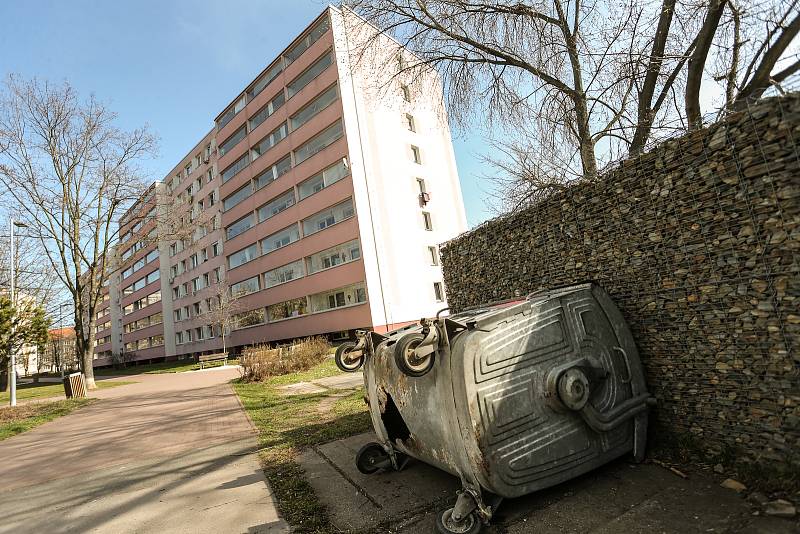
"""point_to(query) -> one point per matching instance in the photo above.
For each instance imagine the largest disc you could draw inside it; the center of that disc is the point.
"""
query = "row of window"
(198, 334)
(274, 70)
(143, 302)
(320, 102)
(312, 146)
(150, 320)
(146, 343)
(331, 257)
(196, 284)
(290, 234)
(319, 302)
(193, 261)
(151, 256)
(140, 283)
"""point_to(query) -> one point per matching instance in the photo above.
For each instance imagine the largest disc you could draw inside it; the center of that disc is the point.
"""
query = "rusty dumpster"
(510, 397)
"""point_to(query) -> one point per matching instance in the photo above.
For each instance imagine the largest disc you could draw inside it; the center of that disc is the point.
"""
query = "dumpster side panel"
(517, 441)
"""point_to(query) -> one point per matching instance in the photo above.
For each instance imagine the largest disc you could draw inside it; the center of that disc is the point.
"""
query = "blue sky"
(171, 64)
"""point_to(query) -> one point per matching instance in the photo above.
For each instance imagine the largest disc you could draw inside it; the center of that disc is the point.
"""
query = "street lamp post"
(12, 374)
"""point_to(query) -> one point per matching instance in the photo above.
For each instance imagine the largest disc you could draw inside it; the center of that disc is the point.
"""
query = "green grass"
(24, 417)
(44, 389)
(323, 370)
(158, 368)
(287, 425)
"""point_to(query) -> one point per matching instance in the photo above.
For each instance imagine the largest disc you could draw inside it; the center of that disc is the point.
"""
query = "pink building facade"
(317, 201)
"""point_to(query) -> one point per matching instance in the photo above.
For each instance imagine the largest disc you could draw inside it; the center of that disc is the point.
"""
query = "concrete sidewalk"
(171, 453)
(617, 498)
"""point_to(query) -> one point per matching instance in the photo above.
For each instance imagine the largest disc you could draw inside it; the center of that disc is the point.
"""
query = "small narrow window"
(421, 185)
(434, 255)
(426, 219)
(438, 291)
(406, 93)
(410, 123)
(416, 155)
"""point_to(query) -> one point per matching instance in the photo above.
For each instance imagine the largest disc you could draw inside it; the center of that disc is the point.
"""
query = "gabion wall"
(697, 243)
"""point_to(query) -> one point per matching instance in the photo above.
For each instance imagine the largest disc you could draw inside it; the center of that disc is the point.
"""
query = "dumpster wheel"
(445, 524)
(406, 358)
(343, 361)
(371, 458)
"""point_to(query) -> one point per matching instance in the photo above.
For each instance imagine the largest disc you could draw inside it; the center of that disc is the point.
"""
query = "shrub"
(261, 362)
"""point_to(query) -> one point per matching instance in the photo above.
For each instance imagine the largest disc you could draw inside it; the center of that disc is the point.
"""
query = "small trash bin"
(512, 397)
(75, 386)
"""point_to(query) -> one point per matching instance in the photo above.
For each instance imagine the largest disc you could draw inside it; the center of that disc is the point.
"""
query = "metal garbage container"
(510, 397)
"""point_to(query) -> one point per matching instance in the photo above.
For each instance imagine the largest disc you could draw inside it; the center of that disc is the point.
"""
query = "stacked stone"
(698, 244)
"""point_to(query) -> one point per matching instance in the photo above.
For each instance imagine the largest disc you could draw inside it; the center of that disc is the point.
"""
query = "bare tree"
(73, 173)
(578, 84)
(225, 305)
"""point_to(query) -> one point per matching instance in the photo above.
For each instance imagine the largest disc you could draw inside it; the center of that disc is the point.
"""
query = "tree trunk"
(88, 370)
(697, 63)
(4, 379)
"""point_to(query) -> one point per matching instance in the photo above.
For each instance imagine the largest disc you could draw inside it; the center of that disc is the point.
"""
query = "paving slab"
(342, 381)
(618, 497)
(171, 453)
(301, 388)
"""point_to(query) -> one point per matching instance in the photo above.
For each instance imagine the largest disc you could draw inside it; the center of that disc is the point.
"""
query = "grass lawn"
(49, 389)
(158, 368)
(24, 417)
(286, 425)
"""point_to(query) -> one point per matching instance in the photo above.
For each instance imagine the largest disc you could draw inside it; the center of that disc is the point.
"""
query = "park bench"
(217, 356)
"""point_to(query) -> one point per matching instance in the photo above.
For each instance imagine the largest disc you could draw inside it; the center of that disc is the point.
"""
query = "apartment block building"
(316, 204)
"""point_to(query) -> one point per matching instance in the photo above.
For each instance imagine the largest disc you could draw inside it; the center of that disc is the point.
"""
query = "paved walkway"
(617, 498)
(171, 453)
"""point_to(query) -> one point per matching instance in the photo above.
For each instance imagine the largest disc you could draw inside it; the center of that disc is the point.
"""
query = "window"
(265, 80)
(216, 249)
(290, 308)
(406, 93)
(315, 106)
(421, 185)
(157, 341)
(237, 197)
(276, 205)
(280, 239)
(284, 274)
(272, 173)
(338, 298)
(415, 155)
(319, 142)
(434, 255)
(329, 217)
(426, 221)
(243, 256)
(179, 338)
(234, 169)
(242, 225)
(331, 257)
(311, 37)
(152, 277)
(272, 139)
(264, 113)
(323, 179)
(309, 74)
(245, 287)
(410, 123)
(231, 112)
(232, 141)
(438, 292)
(250, 318)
